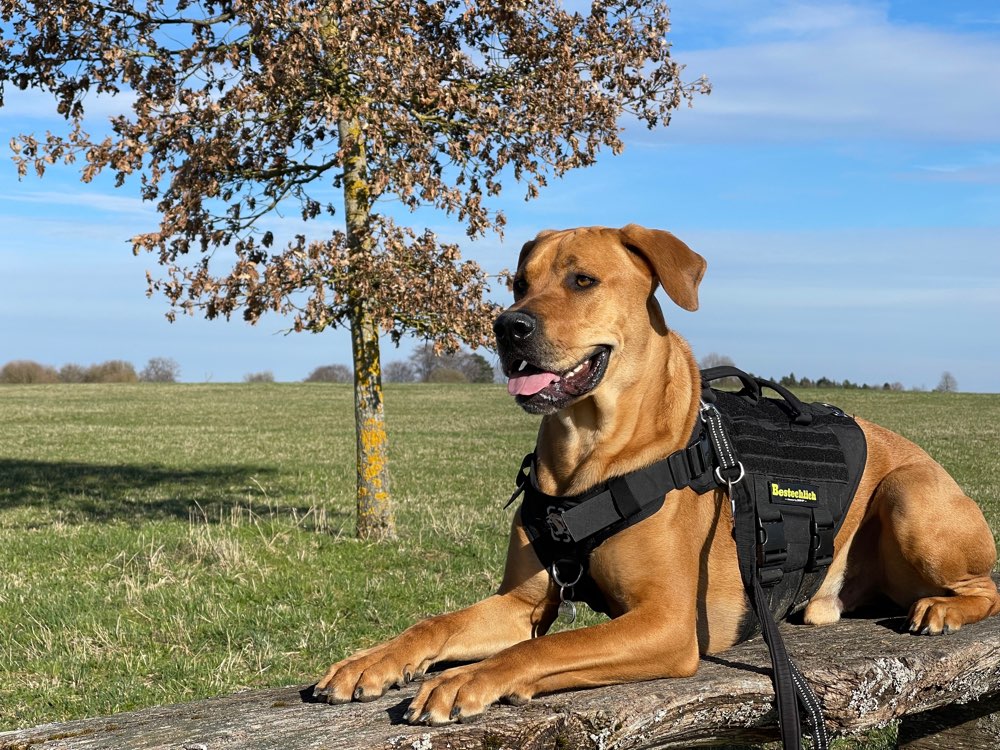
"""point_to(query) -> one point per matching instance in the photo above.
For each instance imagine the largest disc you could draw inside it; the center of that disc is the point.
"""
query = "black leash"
(790, 688)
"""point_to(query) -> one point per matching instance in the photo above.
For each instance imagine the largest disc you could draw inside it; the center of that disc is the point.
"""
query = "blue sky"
(842, 180)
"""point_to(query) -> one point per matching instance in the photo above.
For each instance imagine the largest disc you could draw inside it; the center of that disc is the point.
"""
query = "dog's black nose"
(514, 327)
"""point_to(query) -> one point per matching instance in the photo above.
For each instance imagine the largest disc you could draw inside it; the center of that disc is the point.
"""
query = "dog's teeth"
(524, 363)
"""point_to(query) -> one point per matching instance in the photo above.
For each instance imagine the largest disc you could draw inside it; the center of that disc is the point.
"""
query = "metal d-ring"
(730, 482)
(729, 486)
(561, 584)
(567, 609)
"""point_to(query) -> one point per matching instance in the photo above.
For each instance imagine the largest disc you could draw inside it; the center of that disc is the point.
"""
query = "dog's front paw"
(462, 694)
(937, 615)
(365, 676)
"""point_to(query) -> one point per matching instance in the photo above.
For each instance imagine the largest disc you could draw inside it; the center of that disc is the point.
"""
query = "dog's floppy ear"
(530, 245)
(677, 267)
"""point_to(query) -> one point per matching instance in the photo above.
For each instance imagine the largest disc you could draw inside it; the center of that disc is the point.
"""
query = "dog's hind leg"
(936, 549)
(849, 583)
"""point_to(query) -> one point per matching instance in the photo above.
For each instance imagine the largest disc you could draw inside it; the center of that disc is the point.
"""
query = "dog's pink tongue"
(529, 385)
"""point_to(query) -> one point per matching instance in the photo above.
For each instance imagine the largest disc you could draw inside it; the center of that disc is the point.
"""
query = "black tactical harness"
(790, 470)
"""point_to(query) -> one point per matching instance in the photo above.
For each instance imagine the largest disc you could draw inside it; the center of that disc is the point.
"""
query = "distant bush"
(71, 373)
(265, 376)
(112, 371)
(160, 370)
(330, 374)
(425, 362)
(446, 375)
(24, 371)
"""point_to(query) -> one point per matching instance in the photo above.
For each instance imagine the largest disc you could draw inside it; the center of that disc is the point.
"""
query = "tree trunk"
(375, 517)
(374, 503)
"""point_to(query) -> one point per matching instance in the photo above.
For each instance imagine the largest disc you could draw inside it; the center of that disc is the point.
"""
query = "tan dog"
(620, 390)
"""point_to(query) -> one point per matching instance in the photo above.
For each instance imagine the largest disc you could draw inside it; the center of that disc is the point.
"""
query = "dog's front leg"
(520, 610)
(472, 633)
(647, 643)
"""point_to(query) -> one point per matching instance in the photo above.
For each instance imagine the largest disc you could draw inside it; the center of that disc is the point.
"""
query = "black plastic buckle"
(821, 546)
(771, 542)
(772, 551)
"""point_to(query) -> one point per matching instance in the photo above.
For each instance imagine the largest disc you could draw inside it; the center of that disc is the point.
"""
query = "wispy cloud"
(987, 173)
(816, 71)
(85, 199)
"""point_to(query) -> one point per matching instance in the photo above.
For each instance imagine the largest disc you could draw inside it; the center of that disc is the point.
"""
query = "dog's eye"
(520, 286)
(581, 281)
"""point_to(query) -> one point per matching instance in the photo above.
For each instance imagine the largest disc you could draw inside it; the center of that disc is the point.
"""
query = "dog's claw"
(359, 694)
(456, 713)
(325, 696)
(425, 717)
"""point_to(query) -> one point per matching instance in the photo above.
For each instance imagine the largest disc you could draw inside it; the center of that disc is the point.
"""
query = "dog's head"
(584, 310)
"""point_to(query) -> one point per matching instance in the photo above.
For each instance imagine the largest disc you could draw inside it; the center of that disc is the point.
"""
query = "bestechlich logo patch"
(795, 493)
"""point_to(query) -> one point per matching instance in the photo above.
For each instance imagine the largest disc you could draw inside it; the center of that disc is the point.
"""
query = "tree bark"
(375, 518)
(374, 502)
(867, 672)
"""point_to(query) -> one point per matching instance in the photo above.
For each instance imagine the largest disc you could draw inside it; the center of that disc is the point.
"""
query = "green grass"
(162, 543)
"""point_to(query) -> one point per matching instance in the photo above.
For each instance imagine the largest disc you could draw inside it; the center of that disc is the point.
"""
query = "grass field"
(161, 543)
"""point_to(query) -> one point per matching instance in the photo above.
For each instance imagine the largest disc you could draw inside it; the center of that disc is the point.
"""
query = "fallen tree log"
(868, 673)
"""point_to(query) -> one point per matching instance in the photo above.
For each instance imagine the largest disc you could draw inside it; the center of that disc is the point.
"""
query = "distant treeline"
(790, 381)
(157, 370)
(947, 384)
(424, 365)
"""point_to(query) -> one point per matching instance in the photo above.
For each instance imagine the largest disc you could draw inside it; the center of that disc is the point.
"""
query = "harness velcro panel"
(802, 478)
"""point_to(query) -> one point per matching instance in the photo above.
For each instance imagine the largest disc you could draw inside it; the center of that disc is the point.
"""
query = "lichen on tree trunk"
(374, 502)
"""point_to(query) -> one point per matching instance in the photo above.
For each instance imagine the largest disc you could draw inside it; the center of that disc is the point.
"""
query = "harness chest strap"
(581, 518)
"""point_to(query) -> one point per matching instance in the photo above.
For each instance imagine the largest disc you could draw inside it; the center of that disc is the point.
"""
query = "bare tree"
(160, 370)
(399, 372)
(427, 365)
(714, 359)
(238, 109)
(947, 384)
(72, 373)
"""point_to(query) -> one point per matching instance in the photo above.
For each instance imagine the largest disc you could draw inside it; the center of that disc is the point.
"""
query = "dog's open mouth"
(532, 385)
